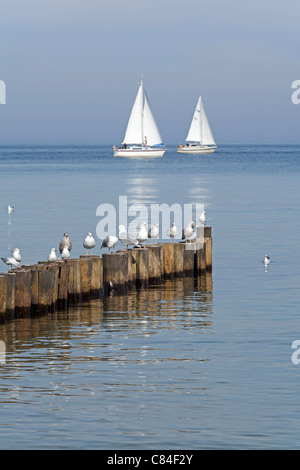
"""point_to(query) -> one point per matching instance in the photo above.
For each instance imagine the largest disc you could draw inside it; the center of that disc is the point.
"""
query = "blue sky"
(72, 68)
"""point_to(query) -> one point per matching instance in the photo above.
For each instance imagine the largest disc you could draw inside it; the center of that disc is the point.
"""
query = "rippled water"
(186, 365)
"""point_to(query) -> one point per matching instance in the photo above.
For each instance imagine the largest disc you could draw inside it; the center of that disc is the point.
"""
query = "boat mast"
(142, 111)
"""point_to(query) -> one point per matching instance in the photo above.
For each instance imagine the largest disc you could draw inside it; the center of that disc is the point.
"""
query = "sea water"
(185, 365)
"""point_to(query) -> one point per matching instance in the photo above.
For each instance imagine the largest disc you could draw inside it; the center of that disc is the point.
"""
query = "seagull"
(126, 238)
(267, 260)
(154, 231)
(17, 255)
(65, 254)
(142, 235)
(52, 257)
(109, 242)
(10, 261)
(89, 242)
(172, 232)
(202, 217)
(65, 242)
(10, 209)
(188, 230)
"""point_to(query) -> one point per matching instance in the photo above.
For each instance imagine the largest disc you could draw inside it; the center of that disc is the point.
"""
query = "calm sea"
(185, 365)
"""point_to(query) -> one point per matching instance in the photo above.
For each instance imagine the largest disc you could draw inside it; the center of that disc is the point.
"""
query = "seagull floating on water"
(109, 242)
(188, 230)
(10, 209)
(65, 242)
(172, 232)
(89, 242)
(126, 238)
(10, 261)
(267, 260)
(154, 231)
(202, 217)
(52, 257)
(17, 255)
(143, 234)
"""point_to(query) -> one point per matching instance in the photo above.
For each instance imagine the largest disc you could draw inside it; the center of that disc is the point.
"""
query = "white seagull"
(109, 242)
(143, 234)
(52, 257)
(89, 242)
(17, 255)
(267, 260)
(10, 261)
(65, 242)
(172, 232)
(202, 217)
(126, 238)
(10, 209)
(154, 231)
(188, 230)
(65, 254)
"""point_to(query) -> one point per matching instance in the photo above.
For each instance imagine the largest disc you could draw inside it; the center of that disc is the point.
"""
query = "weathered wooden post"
(86, 276)
(11, 287)
(189, 258)
(204, 233)
(131, 270)
(3, 293)
(155, 264)
(168, 259)
(201, 258)
(22, 291)
(74, 280)
(96, 277)
(115, 271)
(63, 282)
(178, 259)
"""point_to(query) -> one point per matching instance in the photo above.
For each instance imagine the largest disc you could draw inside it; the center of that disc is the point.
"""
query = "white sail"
(194, 134)
(134, 131)
(200, 130)
(151, 131)
(207, 136)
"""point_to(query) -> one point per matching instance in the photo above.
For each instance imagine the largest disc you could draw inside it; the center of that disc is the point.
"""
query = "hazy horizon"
(72, 70)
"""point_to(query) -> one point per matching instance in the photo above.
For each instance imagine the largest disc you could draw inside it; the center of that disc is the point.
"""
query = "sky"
(72, 68)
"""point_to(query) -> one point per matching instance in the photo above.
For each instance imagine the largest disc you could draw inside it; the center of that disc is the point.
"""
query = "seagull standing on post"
(89, 242)
(65, 242)
(109, 242)
(188, 230)
(172, 232)
(142, 235)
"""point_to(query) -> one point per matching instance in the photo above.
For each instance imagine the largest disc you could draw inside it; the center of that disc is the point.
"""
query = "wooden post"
(96, 277)
(204, 233)
(85, 275)
(115, 271)
(22, 290)
(11, 287)
(131, 269)
(155, 264)
(168, 259)
(201, 259)
(74, 280)
(63, 282)
(3, 293)
(189, 258)
(142, 267)
(178, 259)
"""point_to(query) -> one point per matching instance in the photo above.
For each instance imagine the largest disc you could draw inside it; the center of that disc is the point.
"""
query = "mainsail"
(141, 123)
(200, 130)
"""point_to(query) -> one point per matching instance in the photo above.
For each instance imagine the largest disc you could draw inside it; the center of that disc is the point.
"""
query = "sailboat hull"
(197, 149)
(140, 152)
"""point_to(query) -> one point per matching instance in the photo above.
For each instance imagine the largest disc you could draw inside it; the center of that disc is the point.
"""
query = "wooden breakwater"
(46, 287)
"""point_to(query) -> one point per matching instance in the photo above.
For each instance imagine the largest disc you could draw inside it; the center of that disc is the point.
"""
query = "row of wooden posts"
(48, 286)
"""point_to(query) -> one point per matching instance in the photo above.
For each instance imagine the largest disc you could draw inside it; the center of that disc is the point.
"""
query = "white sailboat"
(200, 138)
(142, 137)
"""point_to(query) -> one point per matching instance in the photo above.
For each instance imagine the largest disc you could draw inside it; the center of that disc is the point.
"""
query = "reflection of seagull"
(89, 242)
(65, 242)
(10, 261)
(126, 238)
(109, 242)
(172, 232)
(188, 230)
(154, 231)
(65, 254)
(142, 235)
(16, 254)
(202, 217)
(10, 209)
(52, 257)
